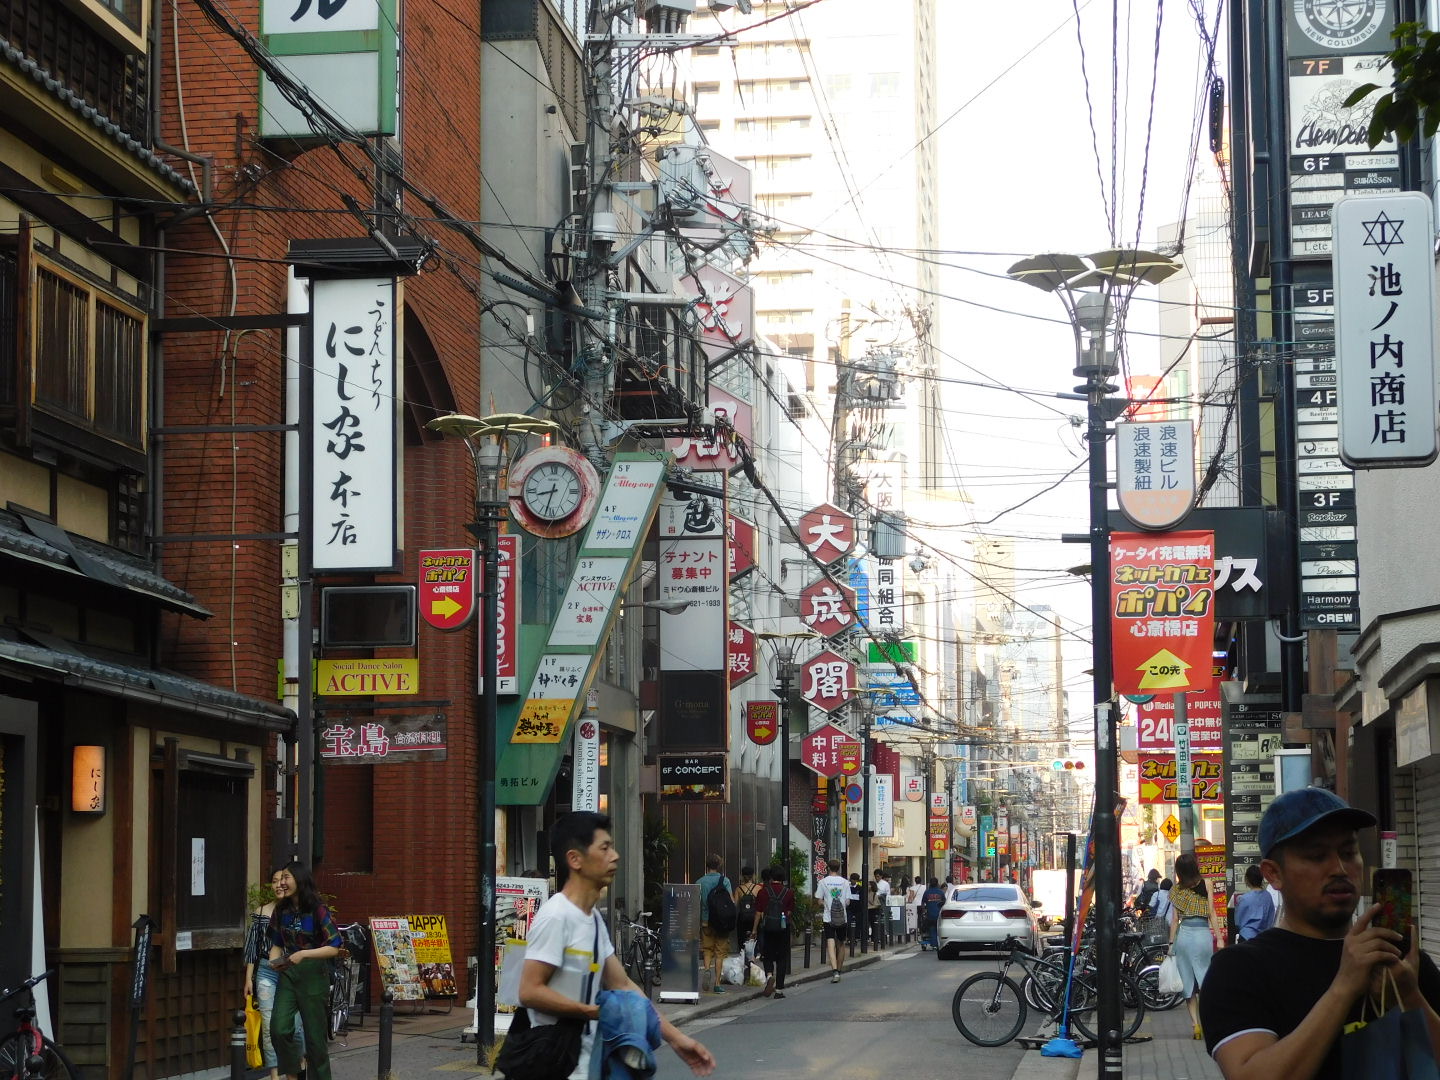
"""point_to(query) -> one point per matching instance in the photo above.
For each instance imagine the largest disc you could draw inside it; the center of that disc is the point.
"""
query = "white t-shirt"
(830, 887)
(882, 890)
(563, 936)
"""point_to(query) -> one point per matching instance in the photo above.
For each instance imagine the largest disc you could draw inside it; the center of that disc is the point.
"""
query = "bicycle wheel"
(14, 1052)
(339, 1005)
(1085, 1007)
(1148, 980)
(989, 1009)
(1045, 986)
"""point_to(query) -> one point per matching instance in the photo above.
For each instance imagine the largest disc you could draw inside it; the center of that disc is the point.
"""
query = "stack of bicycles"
(641, 951)
(345, 971)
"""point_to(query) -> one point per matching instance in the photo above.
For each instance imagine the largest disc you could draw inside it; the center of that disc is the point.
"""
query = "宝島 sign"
(1384, 329)
(694, 778)
(1157, 778)
(353, 443)
(762, 721)
(384, 739)
(1155, 472)
(1162, 610)
(446, 592)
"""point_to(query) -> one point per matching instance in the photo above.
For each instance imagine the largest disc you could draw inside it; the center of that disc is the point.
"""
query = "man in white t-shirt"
(561, 947)
(832, 890)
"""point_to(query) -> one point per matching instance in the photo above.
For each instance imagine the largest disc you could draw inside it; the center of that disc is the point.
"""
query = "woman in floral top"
(1193, 932)
(261, 980)
(302, 937)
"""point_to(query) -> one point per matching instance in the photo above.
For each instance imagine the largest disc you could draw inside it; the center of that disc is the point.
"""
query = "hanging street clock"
(553, 491)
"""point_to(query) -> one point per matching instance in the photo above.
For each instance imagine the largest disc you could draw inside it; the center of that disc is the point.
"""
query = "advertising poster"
(430, 941)
(395, 957)
(517, 899)
(1162, 613)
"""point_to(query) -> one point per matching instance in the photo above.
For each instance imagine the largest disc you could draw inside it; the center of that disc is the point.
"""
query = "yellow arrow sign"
(445, 607)
(1150, 790)
(1171, 828)
(1164, 671)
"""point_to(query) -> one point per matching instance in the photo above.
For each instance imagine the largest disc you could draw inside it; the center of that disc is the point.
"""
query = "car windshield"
(1002, 893)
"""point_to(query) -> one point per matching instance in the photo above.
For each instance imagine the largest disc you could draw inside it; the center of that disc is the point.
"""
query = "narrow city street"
(889, 1019)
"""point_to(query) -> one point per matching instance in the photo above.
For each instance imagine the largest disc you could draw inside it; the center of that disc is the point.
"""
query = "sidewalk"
(1169, 1054)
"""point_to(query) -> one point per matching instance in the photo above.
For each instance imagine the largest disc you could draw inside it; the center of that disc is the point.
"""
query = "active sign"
(1162, 612)
(447, 587)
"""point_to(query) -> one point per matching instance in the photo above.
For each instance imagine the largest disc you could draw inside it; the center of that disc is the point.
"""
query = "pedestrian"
(1148, 890)
(915, 897)
(303, 939)
(833, 892)
(569, 939)
(1194, 930)
(879, 907)
(745, 910)
(1160, 902)
(260, 978)
(932, 900)
(1277, 1006)
(714, 939)
(774, 912)
(1254, 911)
(854, 907)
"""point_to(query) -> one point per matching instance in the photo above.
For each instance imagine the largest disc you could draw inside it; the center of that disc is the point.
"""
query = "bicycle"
(642, 952)
(27, 1041)
(345, 977)
(990, 1009)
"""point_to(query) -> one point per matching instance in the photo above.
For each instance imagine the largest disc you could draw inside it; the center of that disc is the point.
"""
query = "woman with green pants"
(302, 938)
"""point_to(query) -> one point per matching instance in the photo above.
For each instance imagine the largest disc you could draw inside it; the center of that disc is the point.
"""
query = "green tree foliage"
(1413, 102)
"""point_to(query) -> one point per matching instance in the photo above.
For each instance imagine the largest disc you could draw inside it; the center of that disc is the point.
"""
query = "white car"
(983, 915)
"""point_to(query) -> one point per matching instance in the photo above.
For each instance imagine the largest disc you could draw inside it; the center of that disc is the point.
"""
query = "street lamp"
(782, 655)
(485, 439)
(1088, 287)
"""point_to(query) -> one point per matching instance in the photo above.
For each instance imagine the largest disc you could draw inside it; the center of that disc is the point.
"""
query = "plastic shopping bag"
(754, 975)
(732, 970)
(1169, 977)
(749, 950)
(253, 1058)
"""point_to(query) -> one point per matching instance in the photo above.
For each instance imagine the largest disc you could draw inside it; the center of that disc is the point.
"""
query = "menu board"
(395, 957)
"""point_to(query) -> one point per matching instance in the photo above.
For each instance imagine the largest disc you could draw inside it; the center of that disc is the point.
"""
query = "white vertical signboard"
(1385, 329)
(353, 425)
(585, 775)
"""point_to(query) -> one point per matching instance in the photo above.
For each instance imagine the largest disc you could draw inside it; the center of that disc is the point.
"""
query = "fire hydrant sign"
(447, 587)
(1162, 610)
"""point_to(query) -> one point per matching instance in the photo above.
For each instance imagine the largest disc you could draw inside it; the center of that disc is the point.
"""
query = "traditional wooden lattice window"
(88, 358)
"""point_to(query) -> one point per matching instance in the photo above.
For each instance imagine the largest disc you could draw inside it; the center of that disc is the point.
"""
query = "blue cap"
(1296, 812)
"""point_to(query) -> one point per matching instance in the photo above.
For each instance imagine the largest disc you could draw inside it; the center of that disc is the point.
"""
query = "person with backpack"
(717, 918)
(833, 892)
(745, 909)
(774, 911)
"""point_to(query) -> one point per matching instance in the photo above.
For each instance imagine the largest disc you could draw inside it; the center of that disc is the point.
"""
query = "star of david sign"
(1383, 232)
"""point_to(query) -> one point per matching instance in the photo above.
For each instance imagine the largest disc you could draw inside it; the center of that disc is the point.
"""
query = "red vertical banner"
(507, 615)
(1162, 611)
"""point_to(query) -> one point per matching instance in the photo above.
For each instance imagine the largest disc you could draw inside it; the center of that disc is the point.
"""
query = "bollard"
(387, 1022)
(809, 932)
(237, 1046)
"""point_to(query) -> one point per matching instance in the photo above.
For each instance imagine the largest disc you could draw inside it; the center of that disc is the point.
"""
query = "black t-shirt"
(1271, 983)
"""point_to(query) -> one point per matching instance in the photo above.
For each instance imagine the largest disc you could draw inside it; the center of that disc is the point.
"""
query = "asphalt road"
(889, 1019)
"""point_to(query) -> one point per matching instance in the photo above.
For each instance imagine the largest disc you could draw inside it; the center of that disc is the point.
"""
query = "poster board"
(395, 957)
(430, 940)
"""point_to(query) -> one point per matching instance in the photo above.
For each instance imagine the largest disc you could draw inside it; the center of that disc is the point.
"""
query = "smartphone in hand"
(281, 964)
(1394, 892)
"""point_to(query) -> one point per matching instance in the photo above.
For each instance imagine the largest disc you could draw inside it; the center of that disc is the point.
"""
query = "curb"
(739, 995)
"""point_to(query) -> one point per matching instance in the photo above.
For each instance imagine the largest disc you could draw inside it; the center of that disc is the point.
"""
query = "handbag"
(1169, 977)
(549, 1051)
(253, 1057)
(1395, 1045)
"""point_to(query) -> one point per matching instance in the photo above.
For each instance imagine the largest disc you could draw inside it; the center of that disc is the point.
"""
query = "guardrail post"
(237, 1046)
(387, 1023)
(809, 933)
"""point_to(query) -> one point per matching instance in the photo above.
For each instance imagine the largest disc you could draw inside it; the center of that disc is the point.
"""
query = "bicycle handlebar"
(34, 980)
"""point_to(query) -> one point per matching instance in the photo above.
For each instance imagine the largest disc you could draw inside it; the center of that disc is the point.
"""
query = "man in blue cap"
(1275, 1006)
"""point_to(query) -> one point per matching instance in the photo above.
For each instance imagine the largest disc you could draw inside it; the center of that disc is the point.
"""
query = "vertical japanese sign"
(353, 445)
(1162, 610)
(507, 617)
(693, 639)
(446, 587)
(740, 654)
(585, 774)
(887, 604)
(762, 721)
(1385, 329)
(346, 50)
(1155, 472)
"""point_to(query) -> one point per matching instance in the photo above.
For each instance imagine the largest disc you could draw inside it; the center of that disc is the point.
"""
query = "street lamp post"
(1087, 286)
(782, 651)
(490, 507)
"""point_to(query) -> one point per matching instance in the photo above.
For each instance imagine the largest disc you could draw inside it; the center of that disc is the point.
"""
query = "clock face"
(552, 491)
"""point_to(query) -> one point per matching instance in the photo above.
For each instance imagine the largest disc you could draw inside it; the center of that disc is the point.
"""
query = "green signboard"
(890, 652)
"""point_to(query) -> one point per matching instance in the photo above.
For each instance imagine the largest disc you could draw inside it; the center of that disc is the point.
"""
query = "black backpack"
(746, 916)
(775, 909)
(720, 908)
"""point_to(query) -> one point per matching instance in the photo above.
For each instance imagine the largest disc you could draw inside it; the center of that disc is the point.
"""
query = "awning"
(31, 539)
(160, 688)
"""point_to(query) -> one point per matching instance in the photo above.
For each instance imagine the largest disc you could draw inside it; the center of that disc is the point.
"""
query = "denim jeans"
(266, 979)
